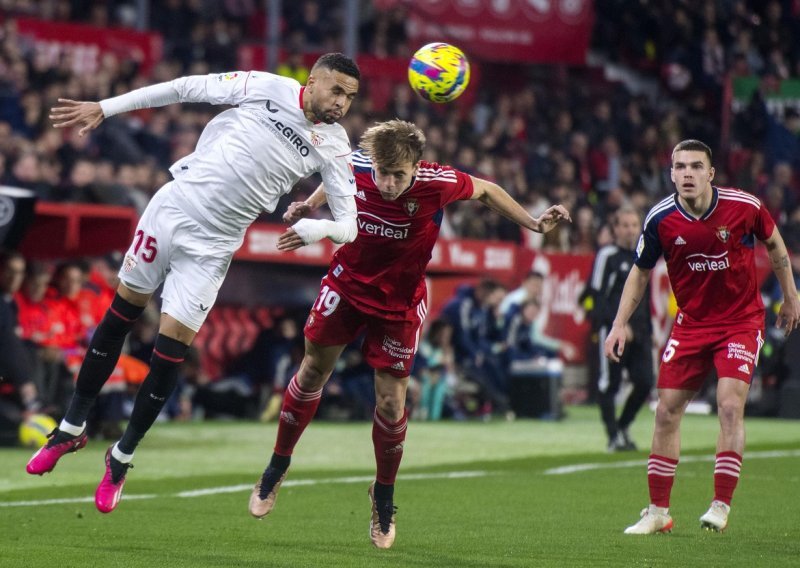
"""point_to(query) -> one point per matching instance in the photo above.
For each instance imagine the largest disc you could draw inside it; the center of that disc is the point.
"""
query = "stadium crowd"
(545, 134)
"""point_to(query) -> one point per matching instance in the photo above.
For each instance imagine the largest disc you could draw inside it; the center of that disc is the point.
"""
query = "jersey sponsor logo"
(741, 352)
(411, 206)
(679, 241)
(708, 263)
(723, 234)
(395, 348)
(399, 366)
(361, 195)
(203, 308)
(295, 140)
(381, 227)
(268, 106)
(744, 368)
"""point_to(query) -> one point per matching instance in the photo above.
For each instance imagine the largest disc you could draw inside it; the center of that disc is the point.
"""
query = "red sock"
(387, 438)
(726, 475)
(299, 407)
(660, 475)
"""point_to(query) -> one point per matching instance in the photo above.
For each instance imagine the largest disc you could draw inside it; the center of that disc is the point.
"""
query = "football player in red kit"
(707, 236)
(377, 284)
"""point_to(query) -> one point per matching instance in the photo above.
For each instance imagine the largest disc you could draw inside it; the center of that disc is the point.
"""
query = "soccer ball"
(439, 72)
(33, 431)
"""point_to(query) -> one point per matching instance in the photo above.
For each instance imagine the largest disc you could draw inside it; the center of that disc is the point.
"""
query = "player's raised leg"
(388, 436)
(663, 461)
(98, 364)
(300, 403)
(170, 348)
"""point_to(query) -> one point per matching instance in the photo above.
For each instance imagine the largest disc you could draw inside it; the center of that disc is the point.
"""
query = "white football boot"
(716, 518)
(654, 520)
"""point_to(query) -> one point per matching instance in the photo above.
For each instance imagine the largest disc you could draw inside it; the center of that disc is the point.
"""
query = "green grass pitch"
(469, 495)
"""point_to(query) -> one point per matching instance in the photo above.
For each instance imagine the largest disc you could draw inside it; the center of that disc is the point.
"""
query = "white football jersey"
(248, 157)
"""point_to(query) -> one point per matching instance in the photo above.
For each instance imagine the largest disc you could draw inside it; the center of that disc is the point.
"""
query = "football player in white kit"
(246, 158)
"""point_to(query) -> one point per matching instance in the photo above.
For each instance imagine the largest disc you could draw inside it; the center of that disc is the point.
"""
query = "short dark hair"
(338, 62)
(692, 146)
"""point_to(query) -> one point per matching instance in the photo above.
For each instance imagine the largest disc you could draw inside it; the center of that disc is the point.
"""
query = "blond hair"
(393, 143)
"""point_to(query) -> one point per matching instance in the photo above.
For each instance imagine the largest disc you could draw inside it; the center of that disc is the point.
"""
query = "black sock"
(101, 357)
(281, 463)
(157, 387)
(384, 492)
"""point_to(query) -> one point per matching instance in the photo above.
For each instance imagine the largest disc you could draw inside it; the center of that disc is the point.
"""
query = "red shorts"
(691, 353)
(389, 345)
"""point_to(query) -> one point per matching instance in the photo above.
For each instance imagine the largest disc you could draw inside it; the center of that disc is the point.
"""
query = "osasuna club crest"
(723, 233)
(411, 206)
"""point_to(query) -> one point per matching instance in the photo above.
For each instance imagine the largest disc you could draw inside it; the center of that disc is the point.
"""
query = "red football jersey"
(383, 270)
(710, 260)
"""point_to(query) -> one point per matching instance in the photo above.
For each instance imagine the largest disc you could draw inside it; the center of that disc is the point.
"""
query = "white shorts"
(190, 259)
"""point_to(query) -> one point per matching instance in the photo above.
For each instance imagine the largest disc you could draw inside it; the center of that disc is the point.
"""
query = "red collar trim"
(302, 90)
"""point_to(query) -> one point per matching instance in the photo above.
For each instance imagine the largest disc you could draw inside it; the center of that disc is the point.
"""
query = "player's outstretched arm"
(88, 115)
(632, 294)
(789, 313)
(225, 88)
(343, 229)
(496, 199)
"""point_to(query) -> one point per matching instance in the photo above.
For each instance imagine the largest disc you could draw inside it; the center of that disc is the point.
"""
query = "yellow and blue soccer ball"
(439, 72)
(33, 431)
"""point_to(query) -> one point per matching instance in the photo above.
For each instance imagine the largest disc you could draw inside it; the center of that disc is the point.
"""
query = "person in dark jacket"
(611, 267)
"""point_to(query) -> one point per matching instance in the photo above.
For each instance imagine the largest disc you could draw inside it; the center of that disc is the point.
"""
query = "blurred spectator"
(282, 353)
(477, 331)
(294, 68)
(19, 395)
(435, 369)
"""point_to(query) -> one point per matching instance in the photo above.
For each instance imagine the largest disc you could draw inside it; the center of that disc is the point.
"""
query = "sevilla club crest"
(411, 206)
(723, 234)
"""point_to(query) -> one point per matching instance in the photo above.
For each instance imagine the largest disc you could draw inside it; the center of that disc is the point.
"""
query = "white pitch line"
(249, 487)
(65, 500)
(567, 469)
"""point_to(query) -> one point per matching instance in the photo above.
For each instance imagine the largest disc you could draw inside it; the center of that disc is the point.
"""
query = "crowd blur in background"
(546, 134)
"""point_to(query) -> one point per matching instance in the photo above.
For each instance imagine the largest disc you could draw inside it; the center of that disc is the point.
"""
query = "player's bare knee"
(667, 416)
(390, 406)
(312, 377)
(730, 411)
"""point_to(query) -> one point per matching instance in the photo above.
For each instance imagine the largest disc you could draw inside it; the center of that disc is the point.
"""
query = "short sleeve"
(338, 174)
(456, 185)
(763, 225)
(648, 249)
